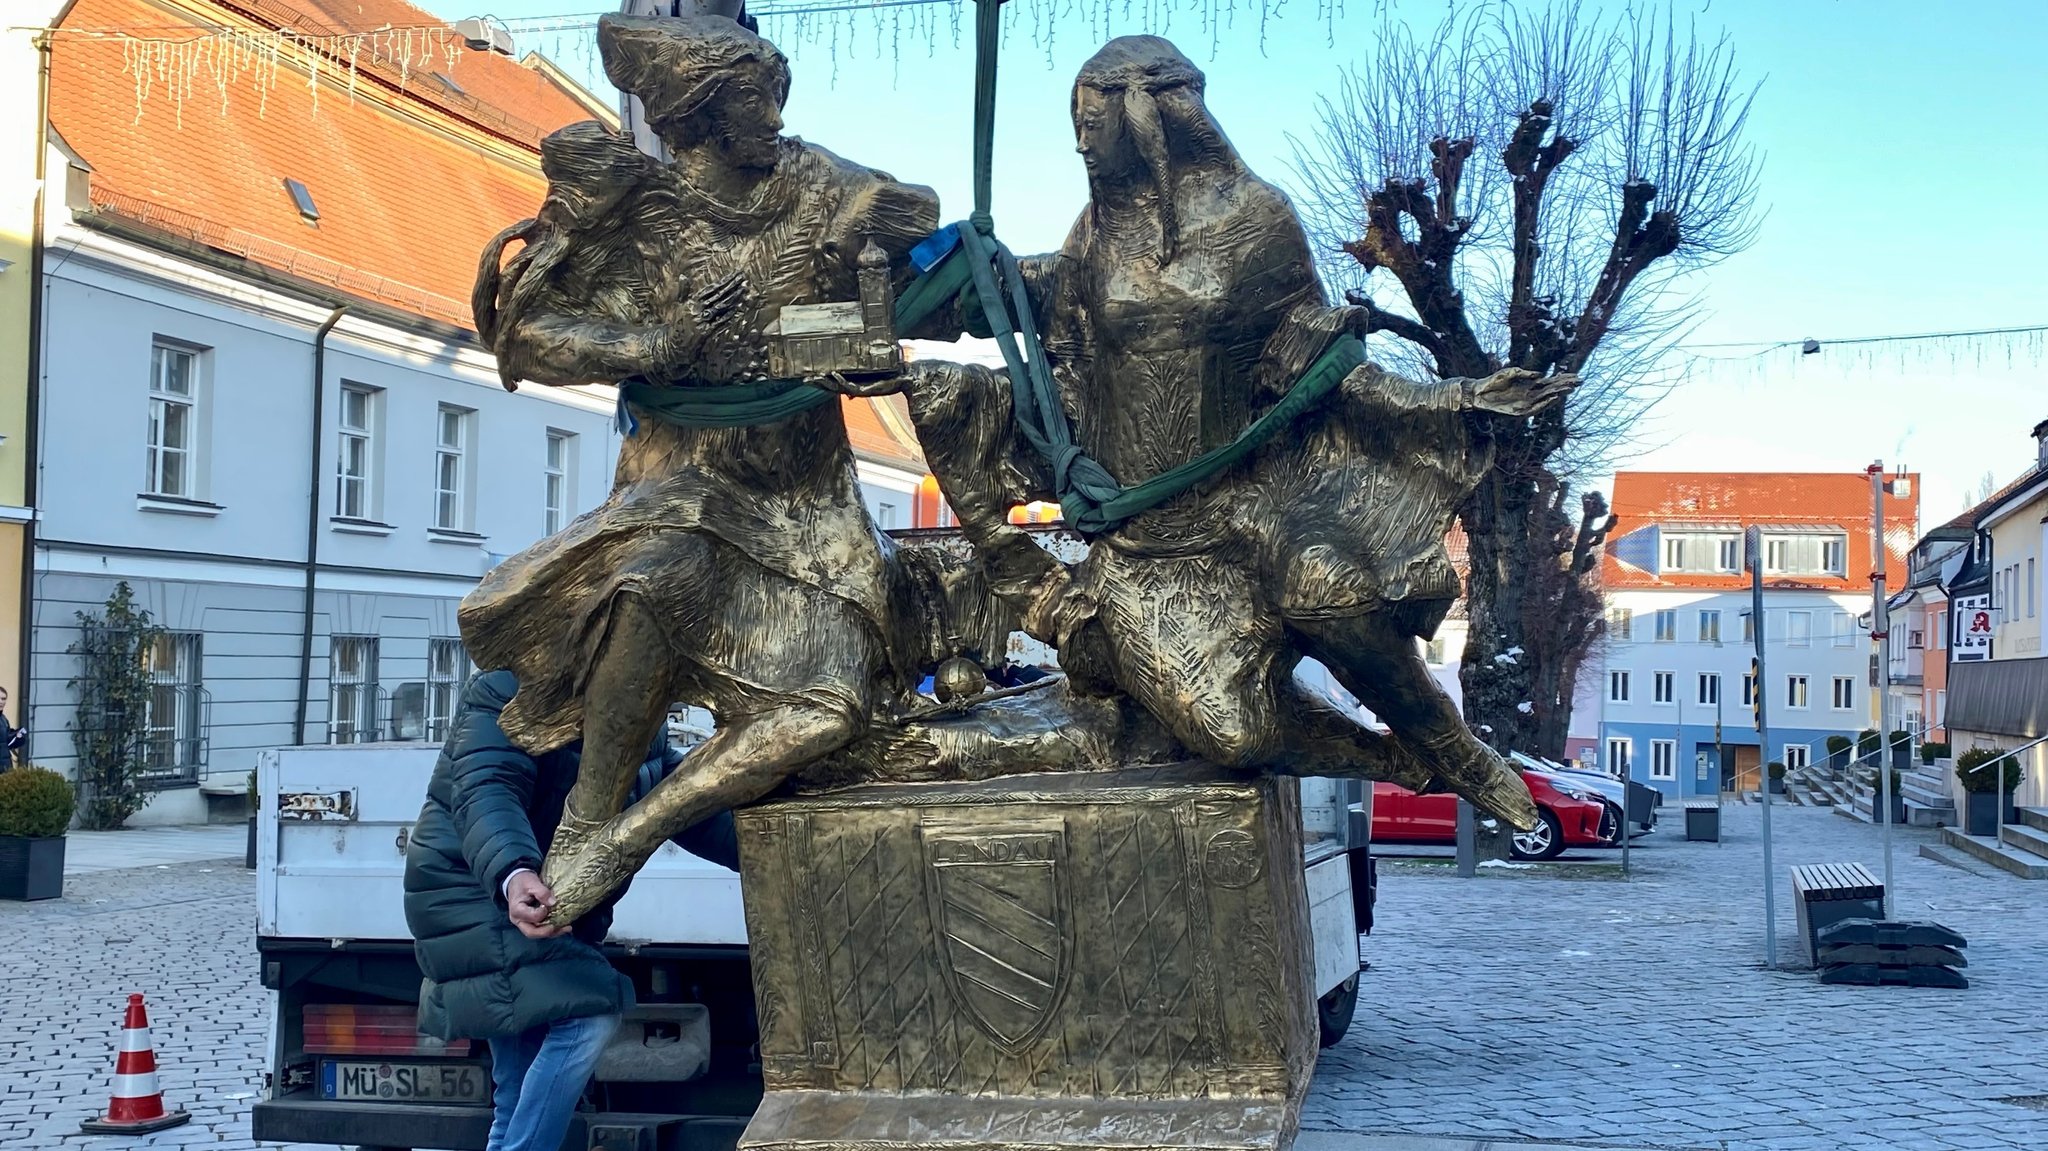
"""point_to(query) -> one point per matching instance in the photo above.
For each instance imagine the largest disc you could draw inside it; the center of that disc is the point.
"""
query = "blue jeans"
(538, 1076)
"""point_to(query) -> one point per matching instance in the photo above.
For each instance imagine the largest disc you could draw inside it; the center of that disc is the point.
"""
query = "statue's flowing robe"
(719, 530)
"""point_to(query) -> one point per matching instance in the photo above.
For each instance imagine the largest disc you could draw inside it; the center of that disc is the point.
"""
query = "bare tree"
(1528, 189)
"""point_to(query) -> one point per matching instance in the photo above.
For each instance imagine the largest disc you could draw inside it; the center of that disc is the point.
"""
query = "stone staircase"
(2022, 848)
(1928, 796)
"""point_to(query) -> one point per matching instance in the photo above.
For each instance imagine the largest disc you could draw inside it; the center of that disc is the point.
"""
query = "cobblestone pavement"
(1572, 1005)
(184, 935)
(1558, 1004)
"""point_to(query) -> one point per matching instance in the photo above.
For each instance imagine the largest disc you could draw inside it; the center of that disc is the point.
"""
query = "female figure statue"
(1183, 305)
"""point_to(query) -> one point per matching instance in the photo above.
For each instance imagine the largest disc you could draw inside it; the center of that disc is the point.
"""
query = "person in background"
(544, 997)
(11, 737)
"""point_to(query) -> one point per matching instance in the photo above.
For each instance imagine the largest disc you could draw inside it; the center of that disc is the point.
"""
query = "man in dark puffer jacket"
(545, 997)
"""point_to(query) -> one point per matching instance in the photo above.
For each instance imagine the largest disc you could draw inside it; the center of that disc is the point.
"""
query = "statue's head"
(590, 168)
(1138, 114)
(703, 80)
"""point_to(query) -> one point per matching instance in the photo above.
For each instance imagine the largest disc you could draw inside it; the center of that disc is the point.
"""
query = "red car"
(1573, 815)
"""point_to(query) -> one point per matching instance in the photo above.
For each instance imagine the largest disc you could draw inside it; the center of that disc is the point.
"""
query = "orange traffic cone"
(138, 1107)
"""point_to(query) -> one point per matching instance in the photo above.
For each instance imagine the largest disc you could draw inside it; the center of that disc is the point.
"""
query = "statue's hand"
(873, 386)
(1520, 392)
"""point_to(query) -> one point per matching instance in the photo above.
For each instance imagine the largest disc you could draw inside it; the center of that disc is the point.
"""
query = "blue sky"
(1904, 165)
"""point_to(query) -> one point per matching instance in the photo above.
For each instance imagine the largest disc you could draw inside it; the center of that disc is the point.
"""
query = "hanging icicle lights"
(182, 62)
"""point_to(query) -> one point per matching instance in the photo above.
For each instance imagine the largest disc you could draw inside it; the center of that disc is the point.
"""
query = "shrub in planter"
(1866, 746)
(1838, 752)
(35, 812)
(1902, 750)
(1985, 785)
(1933, 750)
(1877, 794)
(1777, 773)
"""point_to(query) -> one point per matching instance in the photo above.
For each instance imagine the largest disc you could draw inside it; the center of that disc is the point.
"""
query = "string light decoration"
(180, 62)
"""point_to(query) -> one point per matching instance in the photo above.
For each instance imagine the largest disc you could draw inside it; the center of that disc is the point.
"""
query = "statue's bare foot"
(1484, 779)
(586, 871)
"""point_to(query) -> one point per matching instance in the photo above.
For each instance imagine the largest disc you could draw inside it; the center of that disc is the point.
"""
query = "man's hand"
(529, 901)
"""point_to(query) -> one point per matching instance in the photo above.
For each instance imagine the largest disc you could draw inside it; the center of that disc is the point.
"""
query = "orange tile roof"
(405, 194)
(884, 437)
(410, 182)
(1759, 499)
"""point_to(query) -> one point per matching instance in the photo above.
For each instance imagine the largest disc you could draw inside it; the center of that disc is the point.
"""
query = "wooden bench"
(1828, 893)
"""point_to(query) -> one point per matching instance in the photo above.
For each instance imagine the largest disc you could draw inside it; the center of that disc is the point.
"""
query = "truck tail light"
(364, 1029)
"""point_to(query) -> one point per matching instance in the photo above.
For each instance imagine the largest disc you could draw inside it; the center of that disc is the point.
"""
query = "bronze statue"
(1184, 304)
(732, 566)
(735, 567)
(959, 938)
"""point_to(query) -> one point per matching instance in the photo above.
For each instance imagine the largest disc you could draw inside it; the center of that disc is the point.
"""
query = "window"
(1806, 554)
(1663, 759)
(1795, 691)
(173, 421)
(1620, 751)
(1843, 629)
(2030, 587)
(1710, 627)
(1674, 553)
(303, 200)
(1798, 628)
(1700, 552)
(352, 689)
(885, 516)
(556, 497)
(1620, 622)
(1710, 689)
(1662, 686)
(1797, 755)
(1748, 690)
(1617, 687)
(1748, 628)
(451, 470)
(1667, 626)
(447, 665)
(355, 454)
(1845, 693)
(1433, 651)
(173, 741)
(1941, 707)
(1938, 623)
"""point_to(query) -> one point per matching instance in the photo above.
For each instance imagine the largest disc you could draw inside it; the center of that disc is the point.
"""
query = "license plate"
(399, 1082)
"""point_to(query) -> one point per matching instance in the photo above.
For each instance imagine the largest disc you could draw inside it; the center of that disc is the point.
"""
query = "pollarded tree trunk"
(1496, 671)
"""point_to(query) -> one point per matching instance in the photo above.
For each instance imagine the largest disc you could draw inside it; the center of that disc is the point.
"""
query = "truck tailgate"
(330, 849)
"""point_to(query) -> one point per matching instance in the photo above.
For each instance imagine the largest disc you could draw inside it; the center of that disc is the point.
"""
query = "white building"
(1676, 688)
(299, 495)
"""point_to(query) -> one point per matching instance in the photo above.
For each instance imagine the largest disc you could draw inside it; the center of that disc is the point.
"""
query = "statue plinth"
(1089, 961)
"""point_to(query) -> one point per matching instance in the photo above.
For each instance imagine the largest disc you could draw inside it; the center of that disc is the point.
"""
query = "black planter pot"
(249, 858)
(1902, 757)
(1778, 786)
(1981, 814)
(1838, 761)
(31, 869)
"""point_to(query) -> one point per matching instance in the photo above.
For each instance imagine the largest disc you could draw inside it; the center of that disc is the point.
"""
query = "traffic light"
(1756, 694)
